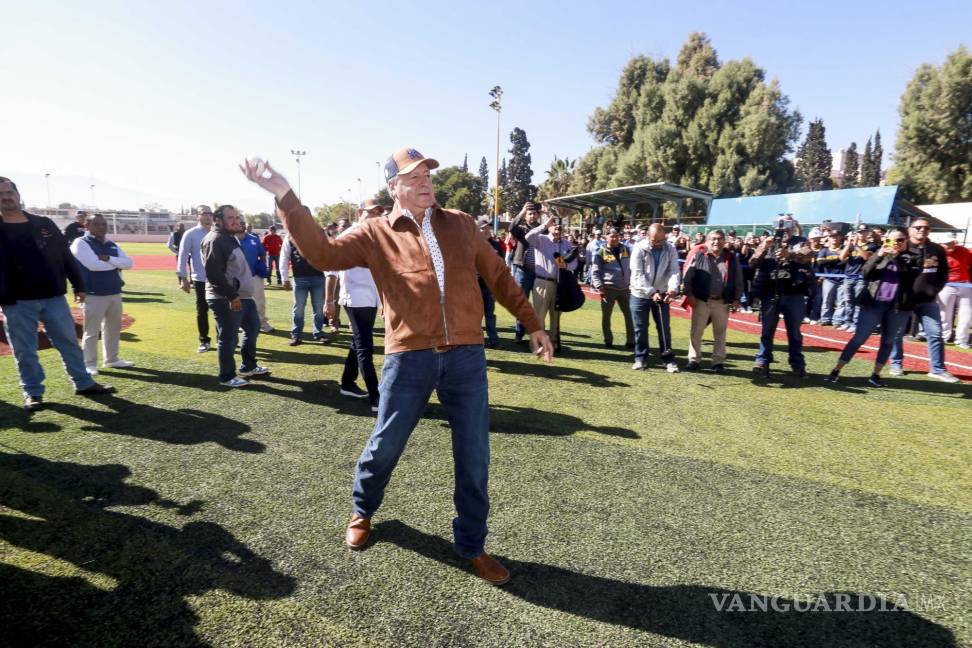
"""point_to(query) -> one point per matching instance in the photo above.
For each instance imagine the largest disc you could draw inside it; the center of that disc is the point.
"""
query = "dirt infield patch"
(44, 343)
(153, 262)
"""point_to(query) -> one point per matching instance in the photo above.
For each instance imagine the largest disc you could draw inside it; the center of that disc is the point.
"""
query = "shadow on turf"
(175, 426)
(687, 612)
(155, 567)
(502, 419)
(557, 372)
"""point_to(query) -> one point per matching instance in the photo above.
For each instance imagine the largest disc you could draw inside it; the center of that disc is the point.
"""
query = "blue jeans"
(792, 307)
(20, 323)
(850, 297)
(525, 280)
(832, 309)
(892, 322)
(489, 312)
(228, 323)
(361, 353)
(931, 321)
(408, 378)
(661, 313)
(303, 286)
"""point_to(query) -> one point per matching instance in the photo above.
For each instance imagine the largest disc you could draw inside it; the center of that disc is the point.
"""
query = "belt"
(445, 348)
(551, 279)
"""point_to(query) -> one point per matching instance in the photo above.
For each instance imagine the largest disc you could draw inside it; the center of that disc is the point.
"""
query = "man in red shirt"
(959, 271)
(272, 244)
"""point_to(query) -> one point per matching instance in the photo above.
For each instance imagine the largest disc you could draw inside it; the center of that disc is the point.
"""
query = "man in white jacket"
(101, 263)
(655, 277)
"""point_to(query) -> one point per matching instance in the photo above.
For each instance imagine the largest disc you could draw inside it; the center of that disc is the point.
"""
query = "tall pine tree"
(465, 163)
(850, 176)
(867, 166)
(815, 162)
(519, 183)
(484, 173)
(876, 156)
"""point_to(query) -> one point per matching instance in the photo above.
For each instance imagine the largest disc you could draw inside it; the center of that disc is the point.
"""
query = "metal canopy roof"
(647, 194)
(869, 205)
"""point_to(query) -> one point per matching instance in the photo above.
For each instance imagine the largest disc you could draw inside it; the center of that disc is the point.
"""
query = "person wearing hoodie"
(611, 276)
(229, 294)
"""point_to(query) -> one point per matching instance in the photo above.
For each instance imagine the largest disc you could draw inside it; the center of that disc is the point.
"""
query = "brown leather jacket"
(393, 248)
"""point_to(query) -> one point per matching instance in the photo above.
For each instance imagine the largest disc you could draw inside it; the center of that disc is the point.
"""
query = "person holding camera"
(523, 256)
(551, 253)
(713, 284)
(885, 302)
(783, 279)
(654, 284)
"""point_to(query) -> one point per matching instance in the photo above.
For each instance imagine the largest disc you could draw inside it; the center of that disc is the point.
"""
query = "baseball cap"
(816, 233)
(369, 204)
(404, 160)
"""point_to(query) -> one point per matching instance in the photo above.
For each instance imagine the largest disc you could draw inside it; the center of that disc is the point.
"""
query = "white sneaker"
(896, 371)
(266, 328)
(235, 381)
(807, 320)
(203, 347)
(944, 376)
(119, 364)
(671, 367)
(255, 371)
(963, 345)
(638, 365)
(813, 322)
(92, 371)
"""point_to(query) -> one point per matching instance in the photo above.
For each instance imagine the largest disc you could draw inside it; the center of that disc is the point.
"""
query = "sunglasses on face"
(920, 227)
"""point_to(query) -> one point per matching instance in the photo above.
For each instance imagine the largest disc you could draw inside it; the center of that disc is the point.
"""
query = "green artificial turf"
(177, 512)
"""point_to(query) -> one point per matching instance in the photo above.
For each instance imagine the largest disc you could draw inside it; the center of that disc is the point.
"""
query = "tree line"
(723, 127)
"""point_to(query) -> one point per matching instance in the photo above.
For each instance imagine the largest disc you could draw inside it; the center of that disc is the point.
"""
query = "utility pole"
(497, 94)
(47, 177)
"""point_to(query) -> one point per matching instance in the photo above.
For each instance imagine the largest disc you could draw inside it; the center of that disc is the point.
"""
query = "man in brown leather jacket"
(425, 261)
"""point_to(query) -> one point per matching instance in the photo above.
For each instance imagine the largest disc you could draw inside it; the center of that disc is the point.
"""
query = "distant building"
(120, 221)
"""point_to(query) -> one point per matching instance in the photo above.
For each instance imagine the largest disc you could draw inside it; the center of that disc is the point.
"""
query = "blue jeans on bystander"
(20, 323)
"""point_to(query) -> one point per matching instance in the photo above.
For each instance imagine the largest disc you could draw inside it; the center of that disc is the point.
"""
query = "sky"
(158, 102)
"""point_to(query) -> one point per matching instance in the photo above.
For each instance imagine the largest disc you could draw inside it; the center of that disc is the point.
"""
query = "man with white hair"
(424, 260)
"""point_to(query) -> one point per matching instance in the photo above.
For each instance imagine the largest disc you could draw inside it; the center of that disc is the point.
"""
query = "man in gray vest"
(101, 263)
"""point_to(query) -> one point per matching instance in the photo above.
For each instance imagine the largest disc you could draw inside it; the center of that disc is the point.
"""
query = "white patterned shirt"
(434, 250)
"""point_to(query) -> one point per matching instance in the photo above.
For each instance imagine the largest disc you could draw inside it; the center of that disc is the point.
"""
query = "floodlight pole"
(497, 94)
(297, 155)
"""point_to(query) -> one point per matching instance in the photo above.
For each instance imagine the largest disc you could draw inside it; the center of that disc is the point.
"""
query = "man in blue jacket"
(256, 256)
(34, 247)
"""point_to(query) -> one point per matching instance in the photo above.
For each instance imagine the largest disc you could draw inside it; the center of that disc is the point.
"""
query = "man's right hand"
(330, 311)
(184, 284)
(236, 304)
(264, 176)
(541, 346)
(286, 285)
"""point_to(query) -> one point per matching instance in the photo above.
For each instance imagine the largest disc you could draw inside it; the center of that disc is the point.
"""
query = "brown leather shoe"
(490, 569)
(359, 528)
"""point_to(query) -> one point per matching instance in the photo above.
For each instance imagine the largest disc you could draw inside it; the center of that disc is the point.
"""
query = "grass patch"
(179, 513)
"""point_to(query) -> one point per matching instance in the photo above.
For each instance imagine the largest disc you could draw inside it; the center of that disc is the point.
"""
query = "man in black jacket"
(37, 266)
(229, 293)
(929, 266)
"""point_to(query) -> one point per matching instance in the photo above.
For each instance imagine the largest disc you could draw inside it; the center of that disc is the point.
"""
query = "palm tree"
(559, 176)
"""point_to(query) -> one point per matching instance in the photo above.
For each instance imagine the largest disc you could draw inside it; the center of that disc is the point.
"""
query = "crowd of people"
(402, 262)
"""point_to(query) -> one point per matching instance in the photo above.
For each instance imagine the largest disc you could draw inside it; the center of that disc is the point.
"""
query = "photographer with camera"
(889, 278)
(783, 279)
(654, 284)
